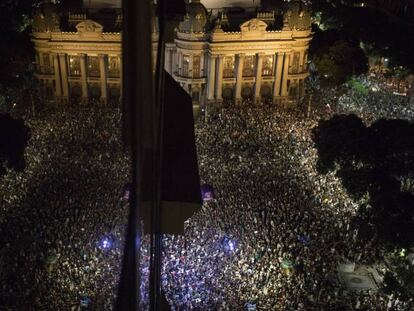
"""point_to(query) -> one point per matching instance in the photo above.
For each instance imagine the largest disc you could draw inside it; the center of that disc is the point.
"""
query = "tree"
(401, 74)
(17, 50)
(386, 36)
(372, 161)
(337, 61)
(400, 279)
(14, 135)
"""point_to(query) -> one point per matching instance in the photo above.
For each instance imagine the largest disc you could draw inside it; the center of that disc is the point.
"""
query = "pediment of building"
(253, 25)
(89, 26)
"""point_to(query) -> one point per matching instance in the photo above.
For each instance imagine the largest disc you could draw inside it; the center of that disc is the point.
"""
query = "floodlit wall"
(100, 4)
(209, 4)
(214, 4)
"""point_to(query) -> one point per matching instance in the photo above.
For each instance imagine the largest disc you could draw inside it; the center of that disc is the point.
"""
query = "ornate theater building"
(220, 54)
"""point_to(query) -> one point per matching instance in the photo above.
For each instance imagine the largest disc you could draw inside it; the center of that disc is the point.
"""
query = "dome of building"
(297, 16)
(195, 20)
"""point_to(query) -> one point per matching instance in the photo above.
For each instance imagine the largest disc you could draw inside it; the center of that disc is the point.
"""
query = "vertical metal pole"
(156, 230)
(138, 120)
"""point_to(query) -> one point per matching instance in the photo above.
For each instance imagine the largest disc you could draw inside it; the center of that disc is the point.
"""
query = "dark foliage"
(337, 57)
(17, 51)
(401, 279)
(372, 160)
(14, 135)
(382, 33)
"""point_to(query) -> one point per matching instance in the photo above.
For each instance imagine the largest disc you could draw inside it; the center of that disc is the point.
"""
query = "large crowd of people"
(62, 220)
(381, 101)
(273, 206)
(270, 239)
(377, 99)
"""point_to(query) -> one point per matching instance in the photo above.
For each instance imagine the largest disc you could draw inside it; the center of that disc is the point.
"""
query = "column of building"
(121, 79)
(301, 61)
(211, 77)
(190, 65)
(219, 79)
(41, 63)
(278, 76)
(179, 63)
(202, 66)
(167, 63)
(41, 70)
(174, 61)
(103, 68)
(239, 78)
(58, 84)
(258, 84)
(64, 76)
(190, 74)
(84, 77)
(285, 75)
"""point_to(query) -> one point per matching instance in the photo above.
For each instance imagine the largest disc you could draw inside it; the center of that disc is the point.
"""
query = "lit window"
(228, 70)
(114, 67)
(248, 66)
(196, 66)
(74, 65)
(93, 66)
(267, 65)
(186, 63)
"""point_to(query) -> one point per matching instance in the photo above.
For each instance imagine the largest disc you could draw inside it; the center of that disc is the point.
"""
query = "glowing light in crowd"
(207, 192)
(85, 301)
(106, 243)
(251, 306)
(229, 245)
(304, 239)
(126, 194)
(127, 191)
(399, 94)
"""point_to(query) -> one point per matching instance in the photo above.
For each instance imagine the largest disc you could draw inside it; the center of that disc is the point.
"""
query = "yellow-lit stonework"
(216, 56)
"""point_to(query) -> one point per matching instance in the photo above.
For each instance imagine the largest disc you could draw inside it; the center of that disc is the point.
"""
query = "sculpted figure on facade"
(89, 26)
(253, 25)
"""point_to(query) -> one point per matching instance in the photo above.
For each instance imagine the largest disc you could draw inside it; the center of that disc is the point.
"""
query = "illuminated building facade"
(76, 60)
(237, 55)
(230, 54)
